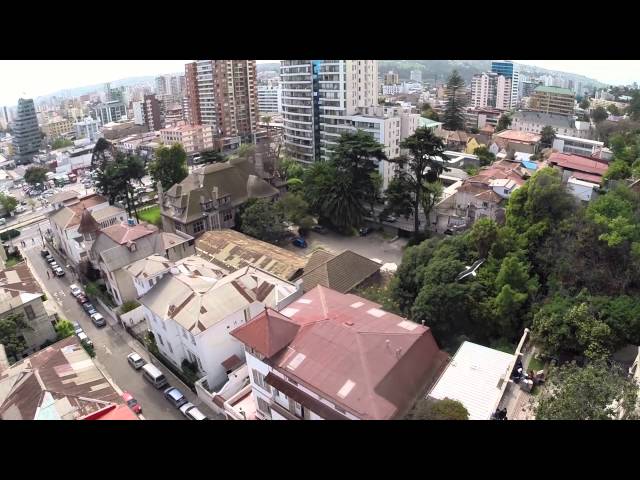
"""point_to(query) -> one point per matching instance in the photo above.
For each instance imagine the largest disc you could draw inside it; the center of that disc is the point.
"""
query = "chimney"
(160, 192)
(178, 190)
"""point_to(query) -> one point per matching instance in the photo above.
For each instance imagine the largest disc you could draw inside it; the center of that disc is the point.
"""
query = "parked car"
(49, 258)
(58, 271)
(82, 298)
(299, 242)
(75, 290)
(45, 253)
(84, 339)
(87, 306)
(175, 397)
(3, 221)
(20, 209)
(190, 411)
(364, 231)
(98, 320)
(135, 360)
(320, 229)
(132, 403)
(388, 219)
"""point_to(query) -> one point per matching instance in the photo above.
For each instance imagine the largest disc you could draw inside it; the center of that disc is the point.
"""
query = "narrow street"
(112, 343)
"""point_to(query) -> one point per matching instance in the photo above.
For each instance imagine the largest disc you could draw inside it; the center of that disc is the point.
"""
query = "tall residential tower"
(509, 70)
(26, 134)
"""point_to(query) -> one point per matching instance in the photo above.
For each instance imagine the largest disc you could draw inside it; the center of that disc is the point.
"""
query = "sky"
(33, 78)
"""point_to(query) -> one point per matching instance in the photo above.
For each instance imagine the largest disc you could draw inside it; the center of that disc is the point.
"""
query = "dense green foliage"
(547, 135)
(484, 155)
(116, 177)
(11, 328)
(35, 175)
(454, 113)
(170, 166)
(599, 114)
(60, 143)
(262, 219)
(415, 184)
(8, 202)
(64, 328)
(594, 392)
(445, 409)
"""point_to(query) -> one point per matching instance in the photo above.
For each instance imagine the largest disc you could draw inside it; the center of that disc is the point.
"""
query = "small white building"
(578, 146)
(581, 189)
(474, 377)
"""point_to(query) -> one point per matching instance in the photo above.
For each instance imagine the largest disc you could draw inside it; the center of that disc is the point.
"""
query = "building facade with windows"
(553, 100)
(193, 305)
(26, 134)
(87, 128)
(269, 99)
(510, 71)
(193, 138)
(318, 99)
(109, 112)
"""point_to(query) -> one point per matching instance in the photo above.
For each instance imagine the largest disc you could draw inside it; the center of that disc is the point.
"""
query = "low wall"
(133, 317)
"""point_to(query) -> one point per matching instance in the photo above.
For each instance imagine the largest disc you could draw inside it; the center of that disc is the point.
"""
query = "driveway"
(372, 246)
(112, 343)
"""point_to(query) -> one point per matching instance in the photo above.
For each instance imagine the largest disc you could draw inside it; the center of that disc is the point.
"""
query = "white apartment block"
(269, 99)
(489, 89)
(193, 138)
(88, 128)
(318, 97)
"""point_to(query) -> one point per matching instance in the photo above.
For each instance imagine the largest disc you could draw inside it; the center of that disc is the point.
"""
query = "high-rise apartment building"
(391, 78)
(318, 99)
(109, 111)
(511, 71)
(223, 95)
(552, 100)
(491, 90)
(26, 134)
(152, 113)
(269, 99)
(191, 100)
(87, 128)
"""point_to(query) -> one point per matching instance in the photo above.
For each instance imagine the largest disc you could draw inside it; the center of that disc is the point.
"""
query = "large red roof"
(123, 233)
(576, 162)
(372, 363)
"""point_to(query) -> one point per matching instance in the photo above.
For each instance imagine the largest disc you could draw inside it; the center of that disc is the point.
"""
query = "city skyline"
(27, 79)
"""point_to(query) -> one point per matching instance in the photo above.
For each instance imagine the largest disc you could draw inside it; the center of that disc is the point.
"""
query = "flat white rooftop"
(473, 377)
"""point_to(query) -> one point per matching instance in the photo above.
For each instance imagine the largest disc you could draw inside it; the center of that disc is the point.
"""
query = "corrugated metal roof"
(473, 378)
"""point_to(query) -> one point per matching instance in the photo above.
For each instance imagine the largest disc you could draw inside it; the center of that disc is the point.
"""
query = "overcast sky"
(32, 78)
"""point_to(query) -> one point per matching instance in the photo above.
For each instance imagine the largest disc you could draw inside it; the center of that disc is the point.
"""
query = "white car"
(75, 290)
(190, 411)
(135, 360)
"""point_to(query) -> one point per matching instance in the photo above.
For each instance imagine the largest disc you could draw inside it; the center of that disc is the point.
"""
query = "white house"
(581, 189)
(193, 307)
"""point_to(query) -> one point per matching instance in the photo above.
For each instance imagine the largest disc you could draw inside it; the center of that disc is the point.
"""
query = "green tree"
(211, 156)
(618, 170)
(484, 234)
(617, 213)
(170, 166)
(35, 175)
(261, 219)
(484, 155)
(60, 142)
(595, 392)
(613, 109)
(504, 122)
(428, 112)
(101, 153)
(8, 202)
(64, 328)
(354, 160)
(246, 150)
(115, 179)
(453, 114)
(547, 136)
(599, 114)
(11, 328)
(418, 174)
(295, 209)
(431, 409)
(584, 103)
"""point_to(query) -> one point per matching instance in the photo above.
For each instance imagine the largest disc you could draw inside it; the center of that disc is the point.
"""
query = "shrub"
(128, 306)
(9, 234)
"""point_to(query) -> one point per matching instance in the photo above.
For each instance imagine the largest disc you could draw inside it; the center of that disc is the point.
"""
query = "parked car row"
(53, 265)
(156, 378)
(96, 317)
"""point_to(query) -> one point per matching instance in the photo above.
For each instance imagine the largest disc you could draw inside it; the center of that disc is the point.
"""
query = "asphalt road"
(112, 343)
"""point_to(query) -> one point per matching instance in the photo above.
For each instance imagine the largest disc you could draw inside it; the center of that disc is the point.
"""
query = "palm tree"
(267, 119)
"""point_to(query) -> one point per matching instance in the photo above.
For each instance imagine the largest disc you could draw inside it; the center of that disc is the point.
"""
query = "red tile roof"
(587, 177)
(576, 162)
(124, 233)
(113, 412)
(372, 363)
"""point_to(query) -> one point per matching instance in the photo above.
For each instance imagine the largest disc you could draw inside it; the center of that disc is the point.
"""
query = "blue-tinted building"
(508, 69)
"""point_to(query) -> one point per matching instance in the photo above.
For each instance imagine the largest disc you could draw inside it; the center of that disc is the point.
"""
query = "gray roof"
(552, 119)
(341, 273)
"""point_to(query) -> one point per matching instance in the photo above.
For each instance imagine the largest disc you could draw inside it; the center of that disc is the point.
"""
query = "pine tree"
(453, 115)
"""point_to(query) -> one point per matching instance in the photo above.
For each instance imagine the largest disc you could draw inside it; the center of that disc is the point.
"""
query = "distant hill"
(269, 67)
(439, 70)
(77, 91)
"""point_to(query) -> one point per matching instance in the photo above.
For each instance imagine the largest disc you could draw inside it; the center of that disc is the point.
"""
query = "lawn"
(151, 215)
